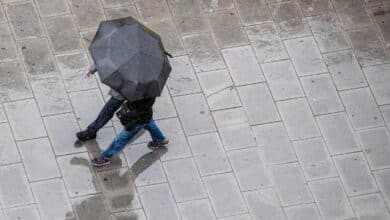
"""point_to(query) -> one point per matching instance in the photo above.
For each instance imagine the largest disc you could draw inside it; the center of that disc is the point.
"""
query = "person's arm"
(91, 70)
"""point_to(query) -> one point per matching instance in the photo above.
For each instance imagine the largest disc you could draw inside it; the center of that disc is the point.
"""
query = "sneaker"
(154, 145)
(100, 161)
(85, 135)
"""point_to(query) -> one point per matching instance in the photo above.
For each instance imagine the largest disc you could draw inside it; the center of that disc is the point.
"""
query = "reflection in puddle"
(117, 184)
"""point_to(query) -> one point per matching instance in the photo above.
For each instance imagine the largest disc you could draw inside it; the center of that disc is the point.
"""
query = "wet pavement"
(274, 110)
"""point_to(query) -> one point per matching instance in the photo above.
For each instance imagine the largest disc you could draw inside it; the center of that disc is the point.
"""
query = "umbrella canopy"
(130, 58)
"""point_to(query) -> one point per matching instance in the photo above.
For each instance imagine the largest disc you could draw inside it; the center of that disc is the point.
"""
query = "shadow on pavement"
(115, 182)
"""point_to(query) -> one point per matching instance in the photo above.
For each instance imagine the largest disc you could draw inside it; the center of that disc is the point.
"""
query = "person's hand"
(89, 73)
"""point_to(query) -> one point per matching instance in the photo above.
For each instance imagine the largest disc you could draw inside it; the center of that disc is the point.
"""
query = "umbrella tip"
(168, 54)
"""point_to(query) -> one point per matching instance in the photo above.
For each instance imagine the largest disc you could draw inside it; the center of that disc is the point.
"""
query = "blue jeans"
(105, 115)
(125, 136)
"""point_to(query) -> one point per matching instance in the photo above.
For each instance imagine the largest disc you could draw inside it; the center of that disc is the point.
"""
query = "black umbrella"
(130, 58)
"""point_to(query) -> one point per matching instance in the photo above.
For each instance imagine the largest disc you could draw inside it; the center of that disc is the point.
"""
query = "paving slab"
(378, 81)
(8, 149)
(266, 42)
(24, 20)
(197, 209)
(23, 212)
(352, 13)
(315, 159)
(375, 144)
(8, 50)
(250, 16)
(282, 80)
(303, 212)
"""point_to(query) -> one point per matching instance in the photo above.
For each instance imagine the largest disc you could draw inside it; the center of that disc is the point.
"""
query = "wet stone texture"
(274, 110)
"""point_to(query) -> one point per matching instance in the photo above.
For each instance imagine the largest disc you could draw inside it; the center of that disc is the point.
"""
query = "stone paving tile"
(243, 65)
(273, 139)
(282, 80)
(362, 109)
(50, 95)
(250, 169)
(234, 129)
(136, 214)
(322, 94)
(291, 184)
(237, 217)
(218, 88)
(328, 32)
(37, 56)
(222, 188)
(87, 105)
(367, 47)
(253, 12)
(194, 106)
(338, 133)
(24, 20)
(303, 212)
(188, 16)
(210, 5)
(266, 42)
(315, 159)
(144, 174)
(376, 145)
(24, 212)
(39, 169)
(352, 13)
(203, 52)
(52, 7)
(2, 15)
(289, 19)
(119, 190)
(61, 130)
(345, 70)
(72, 68)
(48, 191)
(227, 28)
(169, 35)
(8, 49)
(370, 207)
(305, 56)
(209, 154)
(87, 13)
(63, 34)
(116, 3)
(153, 10)
(379, 81)
(25, 119)
(383, 180)
(355, 174)
(91, 207)
(253, 96)
(121, 12)
(264, 204)
(14, 188)
(8, 150)
(382, 18)
(196, 210)
(77, 173)
(331, 199)
(14, 84)
(385, 110)
(298, 119)
(3, 117)
(316, 7)
(182, 79)
(163, 107)
(184, 180)
(158, 202)
(178, 145)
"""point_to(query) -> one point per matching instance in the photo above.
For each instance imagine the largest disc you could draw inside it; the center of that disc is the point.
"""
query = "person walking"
(134, 116)
(106, 113)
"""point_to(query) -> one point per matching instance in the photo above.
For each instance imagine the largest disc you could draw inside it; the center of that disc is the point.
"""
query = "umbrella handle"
(168, 54)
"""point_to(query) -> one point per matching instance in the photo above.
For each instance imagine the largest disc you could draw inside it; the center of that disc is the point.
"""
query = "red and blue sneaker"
(100, 161)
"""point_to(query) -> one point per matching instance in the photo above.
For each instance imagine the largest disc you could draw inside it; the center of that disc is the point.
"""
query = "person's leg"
(158, 137)
(107, 112)
(120, 141)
